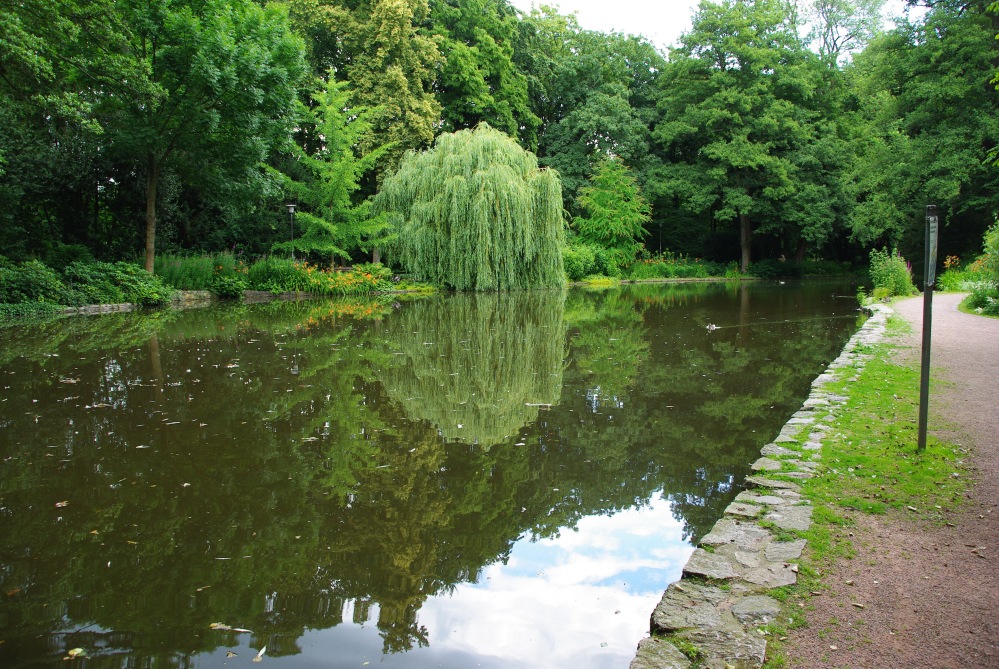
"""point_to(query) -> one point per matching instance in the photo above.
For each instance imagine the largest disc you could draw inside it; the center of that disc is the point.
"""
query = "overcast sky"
(661, 21)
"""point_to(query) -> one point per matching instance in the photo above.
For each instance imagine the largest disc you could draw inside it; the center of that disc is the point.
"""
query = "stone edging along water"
(715, 611)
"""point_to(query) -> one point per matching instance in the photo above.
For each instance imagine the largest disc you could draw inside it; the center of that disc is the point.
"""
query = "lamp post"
(291, 213)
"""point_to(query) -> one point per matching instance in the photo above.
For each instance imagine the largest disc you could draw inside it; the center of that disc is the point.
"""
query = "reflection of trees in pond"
(478, 366)
(319, 477)
(608, 342)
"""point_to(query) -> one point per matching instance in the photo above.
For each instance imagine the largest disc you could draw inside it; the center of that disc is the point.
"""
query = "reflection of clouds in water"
(558, 600)
(582, 600)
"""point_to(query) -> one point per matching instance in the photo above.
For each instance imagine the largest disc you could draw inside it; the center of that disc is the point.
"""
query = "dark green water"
(460, 481)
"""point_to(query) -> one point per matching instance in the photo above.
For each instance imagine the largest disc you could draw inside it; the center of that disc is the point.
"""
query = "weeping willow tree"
(476, 213)
(479, 367)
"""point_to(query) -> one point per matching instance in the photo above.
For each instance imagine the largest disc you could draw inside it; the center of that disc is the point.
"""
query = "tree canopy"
(774, 128)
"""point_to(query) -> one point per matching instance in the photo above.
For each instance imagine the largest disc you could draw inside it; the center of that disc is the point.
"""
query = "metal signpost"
(929, 271)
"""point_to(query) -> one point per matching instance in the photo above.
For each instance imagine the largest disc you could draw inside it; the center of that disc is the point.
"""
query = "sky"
(661, 21)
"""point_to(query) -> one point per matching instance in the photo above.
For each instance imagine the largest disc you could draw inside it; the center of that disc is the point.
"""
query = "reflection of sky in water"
(582, 600)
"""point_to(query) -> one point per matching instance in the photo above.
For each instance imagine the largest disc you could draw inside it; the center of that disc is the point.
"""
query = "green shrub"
(186, 272)
(90, 283)
(375, 269)
(990, 259)
(229, 287)
(579, 261)
(276, 275)
(138, 285)
(891, 272)
(10, 313)
(29, 281)
(984, 300)
(669, 266)
(63, 255)
(824, 268)
(775, 269)
(197, 272)
(606, 263)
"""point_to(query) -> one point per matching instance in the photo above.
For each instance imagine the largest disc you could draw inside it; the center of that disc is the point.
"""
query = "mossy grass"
(870, 465)
(685, 646)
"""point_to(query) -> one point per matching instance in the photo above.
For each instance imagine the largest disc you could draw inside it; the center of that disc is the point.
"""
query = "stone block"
(687, 605)
(723, 649)
(783, 551)
(772, 575)
(766, 465)
(747, 536)
(656, 653)
(774, 450)
(763, 482)
(756, 610)
(709, 565)
(791, 517)
(743, 510)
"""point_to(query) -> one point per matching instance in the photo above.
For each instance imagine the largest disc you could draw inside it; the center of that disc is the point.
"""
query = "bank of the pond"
(718, 614)
(896, 570)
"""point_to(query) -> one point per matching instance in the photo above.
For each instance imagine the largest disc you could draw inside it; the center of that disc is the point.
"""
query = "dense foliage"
(476, 212)
(775, 130)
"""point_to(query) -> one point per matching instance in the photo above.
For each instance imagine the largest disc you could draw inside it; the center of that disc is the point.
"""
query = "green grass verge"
(870, 465)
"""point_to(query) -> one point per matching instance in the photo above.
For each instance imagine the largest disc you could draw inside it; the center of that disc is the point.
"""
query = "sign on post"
(932, 232)
(929, 278)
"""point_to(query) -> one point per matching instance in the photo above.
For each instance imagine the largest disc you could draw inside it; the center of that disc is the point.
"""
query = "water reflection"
(478, 366)
(298, 470)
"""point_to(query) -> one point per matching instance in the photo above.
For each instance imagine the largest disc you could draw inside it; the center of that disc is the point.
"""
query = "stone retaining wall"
(721, 602)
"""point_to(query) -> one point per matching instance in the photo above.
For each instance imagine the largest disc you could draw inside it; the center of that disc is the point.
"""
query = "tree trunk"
(799, 254)
(376, 255)
(745, 240)
(152, 174)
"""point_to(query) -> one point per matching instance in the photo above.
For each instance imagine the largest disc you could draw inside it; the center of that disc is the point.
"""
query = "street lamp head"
(291, 208)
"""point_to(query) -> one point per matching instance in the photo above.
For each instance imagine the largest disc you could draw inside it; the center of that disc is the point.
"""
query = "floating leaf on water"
(76, 652)
(260, 654)
(62, 504)
(229, 653)
(220, 626)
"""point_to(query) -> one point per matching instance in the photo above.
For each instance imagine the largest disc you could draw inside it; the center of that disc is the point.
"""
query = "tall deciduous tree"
(841, 27)
(224, 75)
(391, 65)
(735, 115)
(920, 147)
(479, 80)
(592, 91)
(476, 213)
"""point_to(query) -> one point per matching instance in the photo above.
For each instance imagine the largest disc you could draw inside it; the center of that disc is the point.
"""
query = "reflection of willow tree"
(478, 365)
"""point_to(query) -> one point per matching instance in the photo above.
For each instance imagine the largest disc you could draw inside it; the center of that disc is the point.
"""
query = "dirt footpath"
(930, 593)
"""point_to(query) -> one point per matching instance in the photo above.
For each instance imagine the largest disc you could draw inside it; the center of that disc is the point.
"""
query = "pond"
(499, 481)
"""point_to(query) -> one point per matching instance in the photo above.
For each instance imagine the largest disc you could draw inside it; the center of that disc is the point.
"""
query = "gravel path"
(930, 593)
